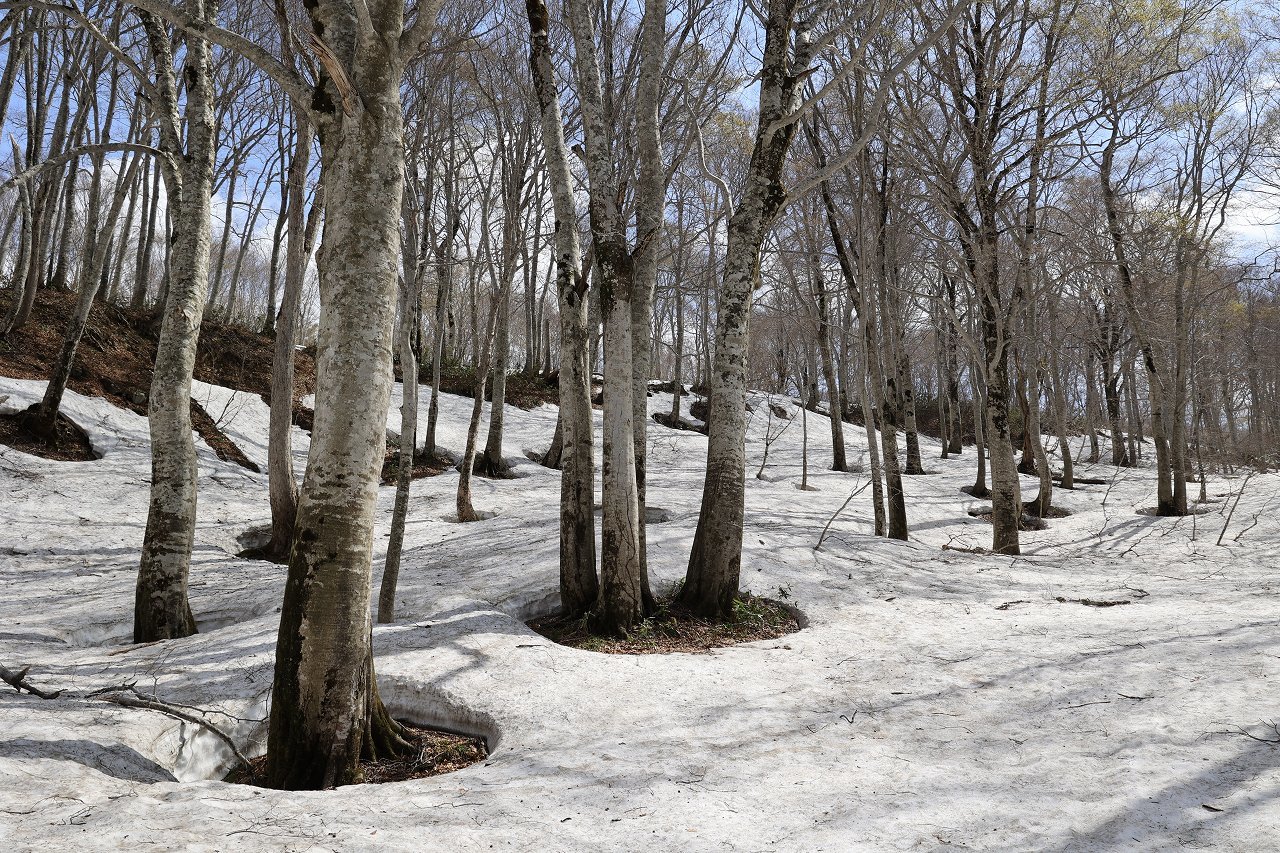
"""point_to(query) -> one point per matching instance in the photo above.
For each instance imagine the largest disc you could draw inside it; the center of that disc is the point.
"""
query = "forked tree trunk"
(621, 603)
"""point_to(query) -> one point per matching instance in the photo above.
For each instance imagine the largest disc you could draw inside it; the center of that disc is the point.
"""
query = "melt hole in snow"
(431, 752)
(1155, 511)
(481, 515)
(652, 514)
(253, 542)
(673, 628)
(1027, 522)
(424, 465)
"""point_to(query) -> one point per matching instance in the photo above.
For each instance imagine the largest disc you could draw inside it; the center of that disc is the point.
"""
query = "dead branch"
(833, 517)
(1094, 602)
(1271, 724)
(1232, 512)
(127, 696)
(18, 681)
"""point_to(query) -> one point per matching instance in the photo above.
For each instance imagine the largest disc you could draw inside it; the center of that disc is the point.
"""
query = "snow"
(913, 713)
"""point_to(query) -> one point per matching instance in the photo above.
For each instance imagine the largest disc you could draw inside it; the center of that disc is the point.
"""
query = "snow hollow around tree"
(1108, 690)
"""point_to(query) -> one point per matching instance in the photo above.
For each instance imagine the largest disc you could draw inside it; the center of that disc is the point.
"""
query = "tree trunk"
(43, 421)
(650, 197)
(282, 482)
(491, 463)
(325, 709)
(838, 460)
(621, 603)
(161, 610)
(578, 583)
(715, 562)
(408, 448)
(979, 489)
(484, 348)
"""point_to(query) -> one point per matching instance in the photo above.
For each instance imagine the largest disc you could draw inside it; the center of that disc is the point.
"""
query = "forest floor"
(939, 697)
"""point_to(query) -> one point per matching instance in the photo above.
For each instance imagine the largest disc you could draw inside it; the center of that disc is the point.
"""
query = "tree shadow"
(115, 759)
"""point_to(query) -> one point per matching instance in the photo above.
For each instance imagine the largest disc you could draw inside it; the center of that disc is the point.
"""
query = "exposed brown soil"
(304, 417)
(675, 629)
(71, 445)
(225, 448)
(424, 465)
(117, 351)
(435, 752)
(523, 391)
(114, 361)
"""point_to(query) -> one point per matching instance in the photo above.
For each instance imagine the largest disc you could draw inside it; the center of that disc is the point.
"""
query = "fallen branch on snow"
(1271, 724)
(1094, 602)
(1239, 495)
(17, 679)
(836, 514)
(126, 696)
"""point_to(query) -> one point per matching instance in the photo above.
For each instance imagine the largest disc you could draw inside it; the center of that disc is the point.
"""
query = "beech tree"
(579, 585)
(161, 609)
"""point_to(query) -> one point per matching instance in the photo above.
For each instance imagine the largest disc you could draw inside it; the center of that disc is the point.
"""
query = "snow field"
(913, 713)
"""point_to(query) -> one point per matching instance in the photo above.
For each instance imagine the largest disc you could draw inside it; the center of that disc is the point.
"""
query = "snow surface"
(913, 713)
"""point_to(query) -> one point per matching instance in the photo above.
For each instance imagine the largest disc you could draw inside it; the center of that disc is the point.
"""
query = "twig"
(832, 519)
(1232, 511)
(1275, 727)
(127, 696)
